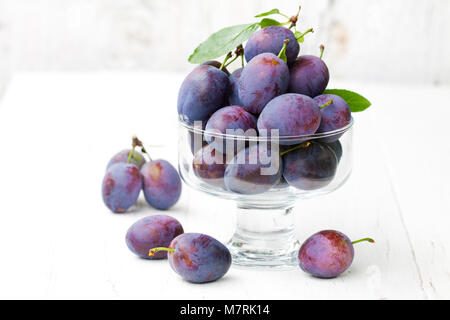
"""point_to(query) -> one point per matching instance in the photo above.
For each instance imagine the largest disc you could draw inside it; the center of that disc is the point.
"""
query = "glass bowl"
(264, 235)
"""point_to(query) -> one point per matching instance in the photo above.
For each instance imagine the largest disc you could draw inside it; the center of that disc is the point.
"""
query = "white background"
(83, 76)
(371, 40)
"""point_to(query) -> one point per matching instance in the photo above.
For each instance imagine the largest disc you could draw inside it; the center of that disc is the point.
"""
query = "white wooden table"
(58, 240)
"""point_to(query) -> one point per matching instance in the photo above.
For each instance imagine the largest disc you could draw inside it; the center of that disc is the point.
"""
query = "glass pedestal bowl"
(264, 235)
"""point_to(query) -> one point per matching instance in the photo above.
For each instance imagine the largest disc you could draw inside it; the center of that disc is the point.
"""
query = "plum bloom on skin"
(232, 119)
(151, 232)
(121, 186)
(162, 184)
(327, 253)
(197, 258)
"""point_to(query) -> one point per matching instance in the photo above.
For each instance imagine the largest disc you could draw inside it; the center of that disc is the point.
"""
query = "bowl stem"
(265, 238)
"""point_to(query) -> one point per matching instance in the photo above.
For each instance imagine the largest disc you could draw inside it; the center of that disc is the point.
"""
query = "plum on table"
(137, 158)
(161, 184)
(150, 232)
(327, 254)
(121, 186)
(197, 257)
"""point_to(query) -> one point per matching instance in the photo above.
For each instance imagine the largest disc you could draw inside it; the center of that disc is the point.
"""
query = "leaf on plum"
(355, 101)
(268, 13)
(299, 37)
(222, 42)
(266, 22)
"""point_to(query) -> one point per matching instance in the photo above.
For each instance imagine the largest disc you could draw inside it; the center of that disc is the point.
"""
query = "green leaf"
(222, 42)
(298, 36)
(269, 22)
(356, 102)
(268, 13)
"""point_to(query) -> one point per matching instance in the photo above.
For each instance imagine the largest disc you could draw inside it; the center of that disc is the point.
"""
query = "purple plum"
(292, 114)
(233, 99)
(253, 170)
(215, 64)
(198, 258)
(337, 148)
(209, 165)
(162, 184)
(309, 75)
(312, 166)
(265, 77)
(137, 158)
(204, 91)
(270, 39)
(150, 232)
(121, 186)
(335, 116)
(229, 118)
(327, 254)
(196, 138)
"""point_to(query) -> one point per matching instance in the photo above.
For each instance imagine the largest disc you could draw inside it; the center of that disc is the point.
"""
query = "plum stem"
(322, 49)
(229, 55)
(231, 61)
(155, 250)
(238, 52)
(326, 104)
(365, 239)
(300, 146)
(130, 155)
(145, 152)
(293, 20)
(283, 49)
(138, 143)
(305, 33)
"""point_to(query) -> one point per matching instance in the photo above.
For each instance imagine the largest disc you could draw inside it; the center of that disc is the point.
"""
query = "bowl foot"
(277, 260)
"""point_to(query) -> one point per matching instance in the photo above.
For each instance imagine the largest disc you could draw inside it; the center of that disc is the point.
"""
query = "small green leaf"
(299, 37)
(356, 102)
(268, 13)
(266, 22)
(222, 42)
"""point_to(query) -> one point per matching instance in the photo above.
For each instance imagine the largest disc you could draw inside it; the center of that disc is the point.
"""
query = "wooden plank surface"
(57, 132)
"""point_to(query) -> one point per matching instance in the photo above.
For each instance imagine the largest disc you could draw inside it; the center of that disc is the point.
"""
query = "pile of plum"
(275, 90)
(128, 173)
